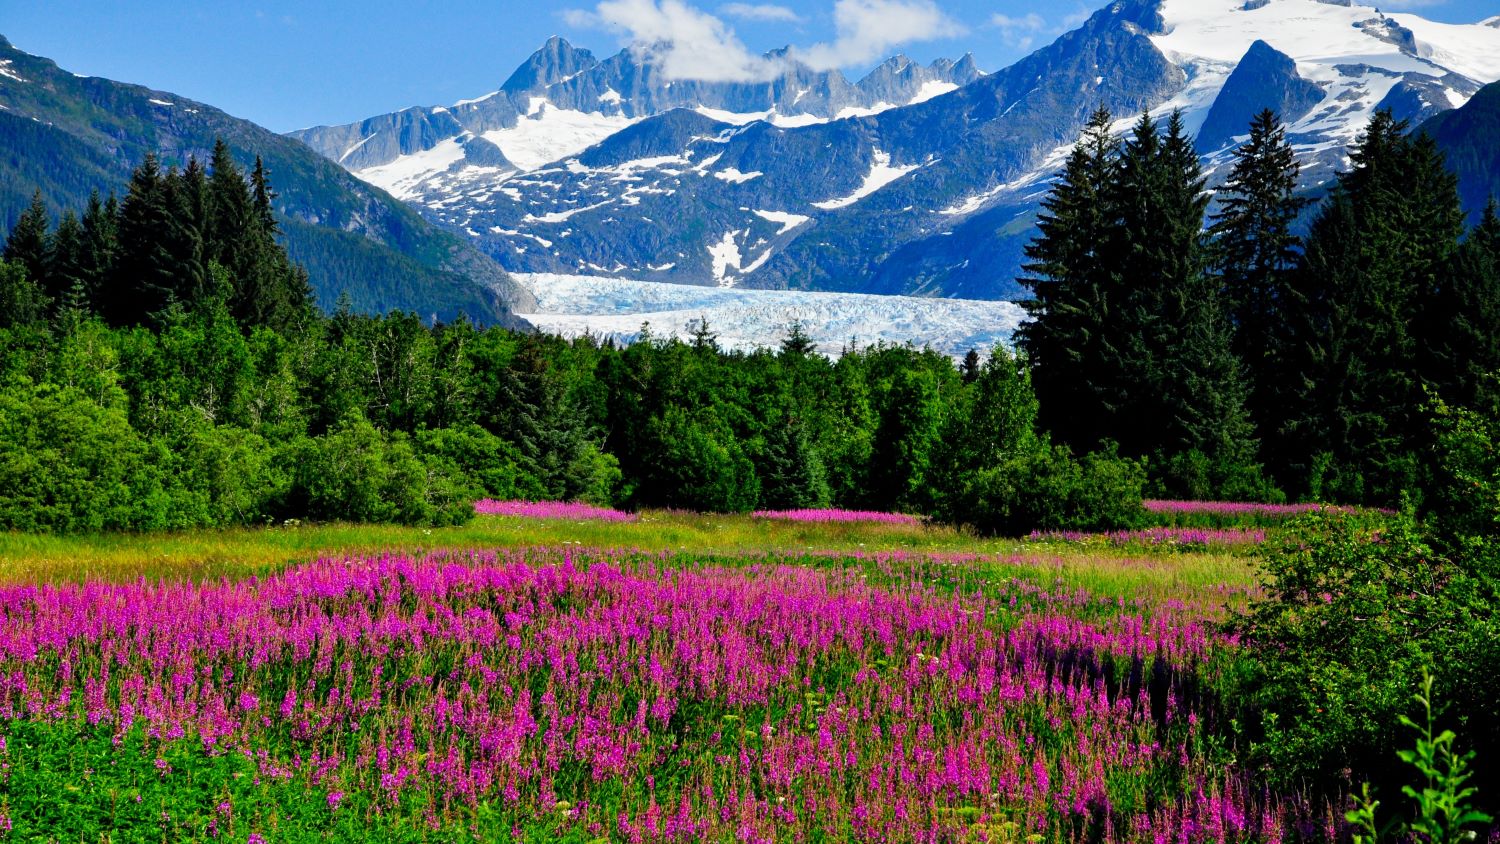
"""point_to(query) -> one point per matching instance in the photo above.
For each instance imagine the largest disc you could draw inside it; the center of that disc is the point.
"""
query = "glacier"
(745, 320)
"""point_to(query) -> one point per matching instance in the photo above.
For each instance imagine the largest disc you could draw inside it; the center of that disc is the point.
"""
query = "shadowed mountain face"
(67, 135)
(1470, 138)
(915, 179)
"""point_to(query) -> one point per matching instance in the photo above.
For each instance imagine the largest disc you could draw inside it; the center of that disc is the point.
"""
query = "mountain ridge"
(932, 197)
(67, 135)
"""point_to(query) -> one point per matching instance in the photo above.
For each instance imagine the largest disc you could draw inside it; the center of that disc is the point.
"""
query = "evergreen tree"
(101, 245)
(797, 342)
(792, 475)
(29, 244)
(1463, 357)
(1069, 279)
(704, 339)
(67, 273)
(192, 227)
(144, 281)
(1255, 250)
(971, 366)
(231, 204)
(272, 291)
(1369, 284)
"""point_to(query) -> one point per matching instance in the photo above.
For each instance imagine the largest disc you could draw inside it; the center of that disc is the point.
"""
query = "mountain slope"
(935, 197)
(563, 99)
(68, 135)
(1470, 138)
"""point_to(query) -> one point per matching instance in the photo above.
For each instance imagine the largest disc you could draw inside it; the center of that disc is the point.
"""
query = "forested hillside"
(70, 136)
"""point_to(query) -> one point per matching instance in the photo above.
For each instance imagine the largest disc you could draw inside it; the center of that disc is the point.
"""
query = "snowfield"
(749, 319)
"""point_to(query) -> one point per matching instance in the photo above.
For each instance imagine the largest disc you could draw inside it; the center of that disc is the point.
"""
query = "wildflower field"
(948, 691)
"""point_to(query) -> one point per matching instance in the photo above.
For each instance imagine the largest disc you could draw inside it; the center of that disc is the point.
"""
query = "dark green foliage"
(1363, 308)
(1350, 619)
(1129, 340)
(1071, 291)
(22, 301)
(1255, 251)
(1463, 346)
(698, 465)
(360, 473)
(792, 473)
(28, 243)
(997, 474)
(1354, 612)
(1047, 489)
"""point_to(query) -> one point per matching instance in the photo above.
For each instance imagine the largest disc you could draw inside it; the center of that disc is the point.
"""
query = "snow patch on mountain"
(403, 177)
(549, 134)
(8, 71)
(731, 174)
(725, 254)
(751, 319)
(882, 173)
(929, 90)
(782, 218)
(1472, 51)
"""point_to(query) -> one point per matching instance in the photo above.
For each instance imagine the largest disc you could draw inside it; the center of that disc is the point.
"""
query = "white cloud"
(684, 42)
(761, 12)
(1019, 32)
(867, 30)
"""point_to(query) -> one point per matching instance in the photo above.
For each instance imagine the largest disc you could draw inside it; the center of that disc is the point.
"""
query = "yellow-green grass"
(208, 554)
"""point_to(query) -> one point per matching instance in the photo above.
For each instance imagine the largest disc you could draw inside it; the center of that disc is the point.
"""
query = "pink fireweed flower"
(836, 516)
(551, 510)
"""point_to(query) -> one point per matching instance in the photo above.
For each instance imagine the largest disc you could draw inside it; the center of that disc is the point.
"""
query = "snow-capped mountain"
(895, 184)
(563, 100)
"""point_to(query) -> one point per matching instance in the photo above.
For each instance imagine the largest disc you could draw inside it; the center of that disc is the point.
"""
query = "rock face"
(916, 179)
(1264, 78)
(67, 135)
(1467, 137)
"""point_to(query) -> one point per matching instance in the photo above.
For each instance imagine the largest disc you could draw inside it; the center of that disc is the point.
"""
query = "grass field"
(199, 555)
(676, 678)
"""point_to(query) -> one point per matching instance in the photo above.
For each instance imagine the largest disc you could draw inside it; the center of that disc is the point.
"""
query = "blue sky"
(288, 64)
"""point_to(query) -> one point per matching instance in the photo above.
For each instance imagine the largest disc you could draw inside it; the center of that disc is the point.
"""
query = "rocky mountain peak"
(556, 61)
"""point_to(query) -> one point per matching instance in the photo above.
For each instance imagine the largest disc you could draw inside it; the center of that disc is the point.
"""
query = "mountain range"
(916, 179)
(67, 135)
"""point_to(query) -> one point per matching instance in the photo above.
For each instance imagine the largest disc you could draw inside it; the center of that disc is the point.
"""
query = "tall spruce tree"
(192, 228)
(101, 245)
(1069, 278)
(1367, 289)
(1464, 355)
(67, 269)
(1255, 249)
(144, 279)
(29, 242)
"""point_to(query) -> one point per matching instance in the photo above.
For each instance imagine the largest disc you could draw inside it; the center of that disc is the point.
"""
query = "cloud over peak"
(686, 42)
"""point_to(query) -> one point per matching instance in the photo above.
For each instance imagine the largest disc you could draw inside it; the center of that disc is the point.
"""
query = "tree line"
(162, 366)
(1238, 357)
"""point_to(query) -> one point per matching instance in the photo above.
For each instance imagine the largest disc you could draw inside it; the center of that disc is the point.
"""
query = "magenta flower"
(551, 510)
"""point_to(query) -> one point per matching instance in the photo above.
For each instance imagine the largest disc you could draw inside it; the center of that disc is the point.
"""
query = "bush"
(697, 465)
(67, 463)
(1351, 617)
(1046, 489)
(358, 473)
